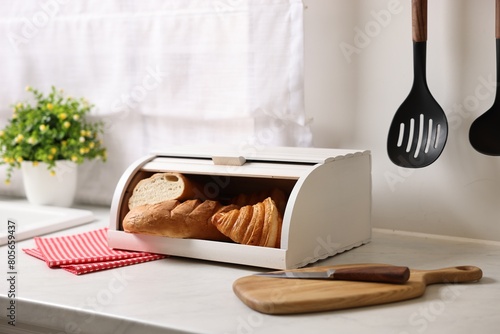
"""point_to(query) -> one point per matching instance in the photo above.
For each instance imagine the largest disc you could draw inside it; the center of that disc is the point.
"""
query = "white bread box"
(328, 209)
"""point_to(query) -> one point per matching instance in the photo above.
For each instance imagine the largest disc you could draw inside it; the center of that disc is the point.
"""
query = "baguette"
(161, 187)
(175, 219)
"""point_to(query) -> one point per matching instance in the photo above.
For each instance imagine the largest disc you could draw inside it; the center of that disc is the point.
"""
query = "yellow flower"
(66, 124)
(76, 117)
(18, 106)
(7, 182)
(74, 158)
(50, 106)
(43, 127)
(82, 150)
(31, 140)
(2, 133)
(28, 88)
(82, 139)
(19, 159)
(50, 156)
(53, 150)
(63, 116)
(52, 173)
(19, 138)
(91, 144)
(64, 143)
(35, 163)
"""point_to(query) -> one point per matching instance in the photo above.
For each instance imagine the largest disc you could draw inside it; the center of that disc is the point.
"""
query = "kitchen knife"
(381, 274)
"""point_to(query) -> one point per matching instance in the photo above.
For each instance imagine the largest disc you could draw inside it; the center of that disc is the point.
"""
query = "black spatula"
(484, 133)
(419, 129)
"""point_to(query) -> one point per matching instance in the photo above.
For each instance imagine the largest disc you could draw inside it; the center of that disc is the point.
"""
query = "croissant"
(171, 218)
(256, 225)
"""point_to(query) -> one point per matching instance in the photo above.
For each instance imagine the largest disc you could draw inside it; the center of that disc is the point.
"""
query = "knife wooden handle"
(497, 19)
(383, 274)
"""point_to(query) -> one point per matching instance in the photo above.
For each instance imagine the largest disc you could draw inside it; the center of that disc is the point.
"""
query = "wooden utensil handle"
(452, 275)
(419, 20)
(497, 19)
(385, 274)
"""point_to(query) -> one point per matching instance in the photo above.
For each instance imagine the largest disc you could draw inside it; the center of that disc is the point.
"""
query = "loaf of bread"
(161, 187)
(256, 225)
(175, 219)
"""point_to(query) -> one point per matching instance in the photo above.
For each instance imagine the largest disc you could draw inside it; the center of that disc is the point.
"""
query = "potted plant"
(51, 136)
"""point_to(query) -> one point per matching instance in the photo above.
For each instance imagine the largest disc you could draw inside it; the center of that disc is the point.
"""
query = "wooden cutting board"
(286, 296)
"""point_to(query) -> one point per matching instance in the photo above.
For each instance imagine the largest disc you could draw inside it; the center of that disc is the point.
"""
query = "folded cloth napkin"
(84, 253)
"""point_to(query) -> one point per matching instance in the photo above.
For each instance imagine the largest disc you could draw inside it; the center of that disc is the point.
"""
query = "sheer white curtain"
(160, 73)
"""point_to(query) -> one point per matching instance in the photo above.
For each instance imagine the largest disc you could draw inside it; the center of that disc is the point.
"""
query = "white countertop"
(177, 295)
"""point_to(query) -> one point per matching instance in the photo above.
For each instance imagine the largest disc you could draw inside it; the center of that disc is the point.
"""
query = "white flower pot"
(42, 188)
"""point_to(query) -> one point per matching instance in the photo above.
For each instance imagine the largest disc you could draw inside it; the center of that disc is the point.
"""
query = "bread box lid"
(328, 209)
(305, 155)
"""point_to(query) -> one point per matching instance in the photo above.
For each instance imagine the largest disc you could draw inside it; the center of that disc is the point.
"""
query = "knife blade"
(381, 274)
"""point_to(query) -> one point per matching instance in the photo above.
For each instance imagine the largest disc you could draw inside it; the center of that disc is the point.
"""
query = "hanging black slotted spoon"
(419, 129)
(484, 133)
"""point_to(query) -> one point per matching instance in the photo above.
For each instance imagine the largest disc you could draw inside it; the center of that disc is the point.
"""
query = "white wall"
(459, 194)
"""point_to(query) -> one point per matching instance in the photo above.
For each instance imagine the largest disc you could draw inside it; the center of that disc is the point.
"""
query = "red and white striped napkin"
(86, 252)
